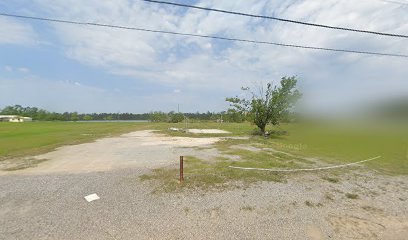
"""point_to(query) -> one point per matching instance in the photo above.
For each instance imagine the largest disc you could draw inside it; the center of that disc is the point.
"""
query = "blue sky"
(63, 67)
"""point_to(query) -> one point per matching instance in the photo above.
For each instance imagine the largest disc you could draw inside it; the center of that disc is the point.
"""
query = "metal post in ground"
(181, 169)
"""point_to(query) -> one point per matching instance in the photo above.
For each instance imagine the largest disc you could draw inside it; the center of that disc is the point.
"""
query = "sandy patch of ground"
(136, 149)
(208, 131)
(201, 131)
(378, 227)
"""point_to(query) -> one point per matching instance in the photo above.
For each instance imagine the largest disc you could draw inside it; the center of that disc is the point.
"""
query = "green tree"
(158, 117)
(176, 117)
(12, 110)
(232, 115)
(270, 105)
(74, 116)
(42, 114)
(87, 118)
(30, 112)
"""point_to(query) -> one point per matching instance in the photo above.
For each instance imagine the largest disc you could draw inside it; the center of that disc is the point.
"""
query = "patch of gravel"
(52, 206)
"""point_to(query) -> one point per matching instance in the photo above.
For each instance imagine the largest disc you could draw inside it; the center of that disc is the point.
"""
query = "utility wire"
(280, 19)
(200, 35)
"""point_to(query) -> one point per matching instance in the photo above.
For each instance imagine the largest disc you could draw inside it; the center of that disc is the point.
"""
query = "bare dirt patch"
(208, 131)
(136, 149)
(20, 163)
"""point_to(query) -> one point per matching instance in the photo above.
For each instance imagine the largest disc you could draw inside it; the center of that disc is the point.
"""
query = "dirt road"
(47, 202)
(144, 149)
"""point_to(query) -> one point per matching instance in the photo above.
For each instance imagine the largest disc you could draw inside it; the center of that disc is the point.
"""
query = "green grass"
(259, 155)
(333, 144)
(330, 144)
(352, 196)
(331, 179)
(22, 139)
(205, 175)
(309, 203)
(247, 208)
(347, 143)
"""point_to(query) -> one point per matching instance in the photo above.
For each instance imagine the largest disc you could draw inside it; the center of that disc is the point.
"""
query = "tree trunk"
(262, 128)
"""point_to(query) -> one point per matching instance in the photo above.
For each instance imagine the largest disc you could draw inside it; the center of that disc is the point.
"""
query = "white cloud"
(8, 68)
(208, 67)
(16, 32)
(63, 96)
(23, 69)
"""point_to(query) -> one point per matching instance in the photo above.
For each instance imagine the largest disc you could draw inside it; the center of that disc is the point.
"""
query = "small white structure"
(14, 118)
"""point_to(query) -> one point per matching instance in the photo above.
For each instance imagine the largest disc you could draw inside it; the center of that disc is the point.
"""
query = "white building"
(14, 118)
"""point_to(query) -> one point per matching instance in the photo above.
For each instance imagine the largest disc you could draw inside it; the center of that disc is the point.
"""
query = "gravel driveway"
(51, 205)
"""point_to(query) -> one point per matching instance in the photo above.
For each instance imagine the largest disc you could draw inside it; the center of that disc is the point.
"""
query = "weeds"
(205, 175)
(309, 203)
(247, 208)
(329, 196)
(352, 196)
(24, 163)
(371, 209)
(331, 179)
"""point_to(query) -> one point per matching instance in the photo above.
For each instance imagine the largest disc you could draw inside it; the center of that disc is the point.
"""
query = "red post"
(181, 169)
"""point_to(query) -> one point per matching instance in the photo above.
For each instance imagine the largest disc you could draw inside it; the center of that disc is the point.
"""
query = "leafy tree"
(66, 116)
(109, 118)
(232, 115)
(158, 117)
(74, 116)
(42, 114)
(12, 110)
(87, 118)
(30, 112)
(176, 117)
(270, 105)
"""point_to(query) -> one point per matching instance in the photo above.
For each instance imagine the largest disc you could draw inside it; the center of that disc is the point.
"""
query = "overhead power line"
(280, 19)
(201, 36)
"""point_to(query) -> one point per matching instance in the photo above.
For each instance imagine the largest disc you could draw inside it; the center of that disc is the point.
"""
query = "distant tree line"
(157, 116)
(44, 115)
(224, 116)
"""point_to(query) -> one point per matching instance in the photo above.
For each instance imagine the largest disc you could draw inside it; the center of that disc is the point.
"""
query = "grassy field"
(291, 146)
(21, 139)
(350, 143)
(334, 144)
